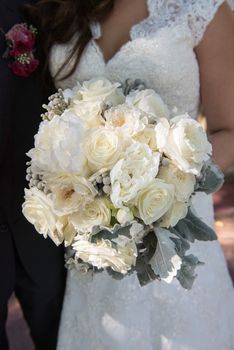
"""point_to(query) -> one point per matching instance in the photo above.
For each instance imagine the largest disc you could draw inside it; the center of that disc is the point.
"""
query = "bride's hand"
(215, 55)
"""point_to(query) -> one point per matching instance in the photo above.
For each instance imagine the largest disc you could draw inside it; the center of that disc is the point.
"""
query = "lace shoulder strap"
(200, 14)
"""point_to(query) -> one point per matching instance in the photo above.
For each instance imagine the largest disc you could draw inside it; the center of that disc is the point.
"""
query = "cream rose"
(102, 255)
(149, 102)
(154, 201)
(125, 120)
(184, 182)
(132, 173)
(176, 212)
(95, 213)
(58, 145)
(102, 148)
(185, 143)
(38, 210)
(89, 112)
(100, 89)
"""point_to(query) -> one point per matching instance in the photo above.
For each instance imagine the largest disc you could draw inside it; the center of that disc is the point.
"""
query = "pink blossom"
(24, 69)
(21, 39)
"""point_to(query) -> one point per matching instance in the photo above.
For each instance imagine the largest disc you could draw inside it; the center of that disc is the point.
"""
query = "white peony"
(154, 201)
(184, 182)
(132, 173)
(102, 255)
(70, 197)
(185, 143)
(125, 120)
(149, 102)
(102, 148)
(58, 145)
(95, 213)
(38, 210)
(101, 89)
(176, 212)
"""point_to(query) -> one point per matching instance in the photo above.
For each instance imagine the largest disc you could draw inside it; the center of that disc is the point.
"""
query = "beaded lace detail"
(100, 313)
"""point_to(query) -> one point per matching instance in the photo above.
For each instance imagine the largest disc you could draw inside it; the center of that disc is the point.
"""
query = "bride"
(183, 49)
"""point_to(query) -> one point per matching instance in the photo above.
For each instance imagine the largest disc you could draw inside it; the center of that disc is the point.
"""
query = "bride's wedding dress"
(100, 313)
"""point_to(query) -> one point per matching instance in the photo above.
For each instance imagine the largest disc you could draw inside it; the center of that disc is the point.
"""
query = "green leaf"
(211, 178)
(186, 275)
(165, 262)
(191, 228)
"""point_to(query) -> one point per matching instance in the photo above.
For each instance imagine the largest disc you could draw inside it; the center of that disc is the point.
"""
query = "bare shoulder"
(215, 54)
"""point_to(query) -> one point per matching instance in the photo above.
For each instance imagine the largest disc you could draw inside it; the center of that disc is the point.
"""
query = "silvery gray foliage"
(130, 85)
(186, 275)
(146, 251)
(192, 228)
(99, 232)
(165, 262)
(211, 178)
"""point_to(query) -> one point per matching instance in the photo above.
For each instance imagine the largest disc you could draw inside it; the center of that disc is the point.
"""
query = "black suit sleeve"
(8, 17)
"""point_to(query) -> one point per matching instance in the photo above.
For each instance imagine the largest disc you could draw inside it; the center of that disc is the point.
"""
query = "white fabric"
(103, 314)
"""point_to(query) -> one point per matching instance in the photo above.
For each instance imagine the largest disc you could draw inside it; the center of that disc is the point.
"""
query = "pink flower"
(21, 39)
(24, 69)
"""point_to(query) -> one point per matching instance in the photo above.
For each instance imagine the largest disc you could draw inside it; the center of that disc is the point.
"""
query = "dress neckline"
(96, 31)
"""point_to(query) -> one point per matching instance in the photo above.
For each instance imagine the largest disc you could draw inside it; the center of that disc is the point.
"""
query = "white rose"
(89, 112)
(187, 144)
(70, 197)
(58, 145)
(38, 210)
(124, 215)
(72, 94)
(102, 255)
(147, 136)
(101, 89)
(154, 201)
(177, 211)
(184, 182)
(103, 148)
(133, 172)
(149, 102)
(125, 120)
(95, 213)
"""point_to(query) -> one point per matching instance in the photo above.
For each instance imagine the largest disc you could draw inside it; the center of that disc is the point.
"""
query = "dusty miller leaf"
(211, 178)
(186, 275)
(165, 262)
(191, 228)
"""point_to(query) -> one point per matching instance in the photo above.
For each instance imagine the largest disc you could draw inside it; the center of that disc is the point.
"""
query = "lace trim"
(168, 13)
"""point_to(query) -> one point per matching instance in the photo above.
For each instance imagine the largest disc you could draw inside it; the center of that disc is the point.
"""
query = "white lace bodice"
(160, 52)
(103, 314)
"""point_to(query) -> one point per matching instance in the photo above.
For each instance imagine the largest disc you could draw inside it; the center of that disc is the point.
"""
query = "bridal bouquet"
(112, 176)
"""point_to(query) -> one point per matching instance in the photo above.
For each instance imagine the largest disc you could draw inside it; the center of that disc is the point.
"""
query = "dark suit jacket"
(20, 108)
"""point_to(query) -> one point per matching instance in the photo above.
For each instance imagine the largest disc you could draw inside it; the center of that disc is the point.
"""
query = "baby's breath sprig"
(102, 183)
(56, 106)
(35, 180)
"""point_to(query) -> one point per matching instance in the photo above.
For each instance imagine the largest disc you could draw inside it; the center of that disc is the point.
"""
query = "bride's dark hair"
(58, 21)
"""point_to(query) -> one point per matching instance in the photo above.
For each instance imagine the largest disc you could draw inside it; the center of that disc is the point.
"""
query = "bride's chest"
(164, 60)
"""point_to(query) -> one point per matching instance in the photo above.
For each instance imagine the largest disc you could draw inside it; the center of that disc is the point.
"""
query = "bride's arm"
(216, 62)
